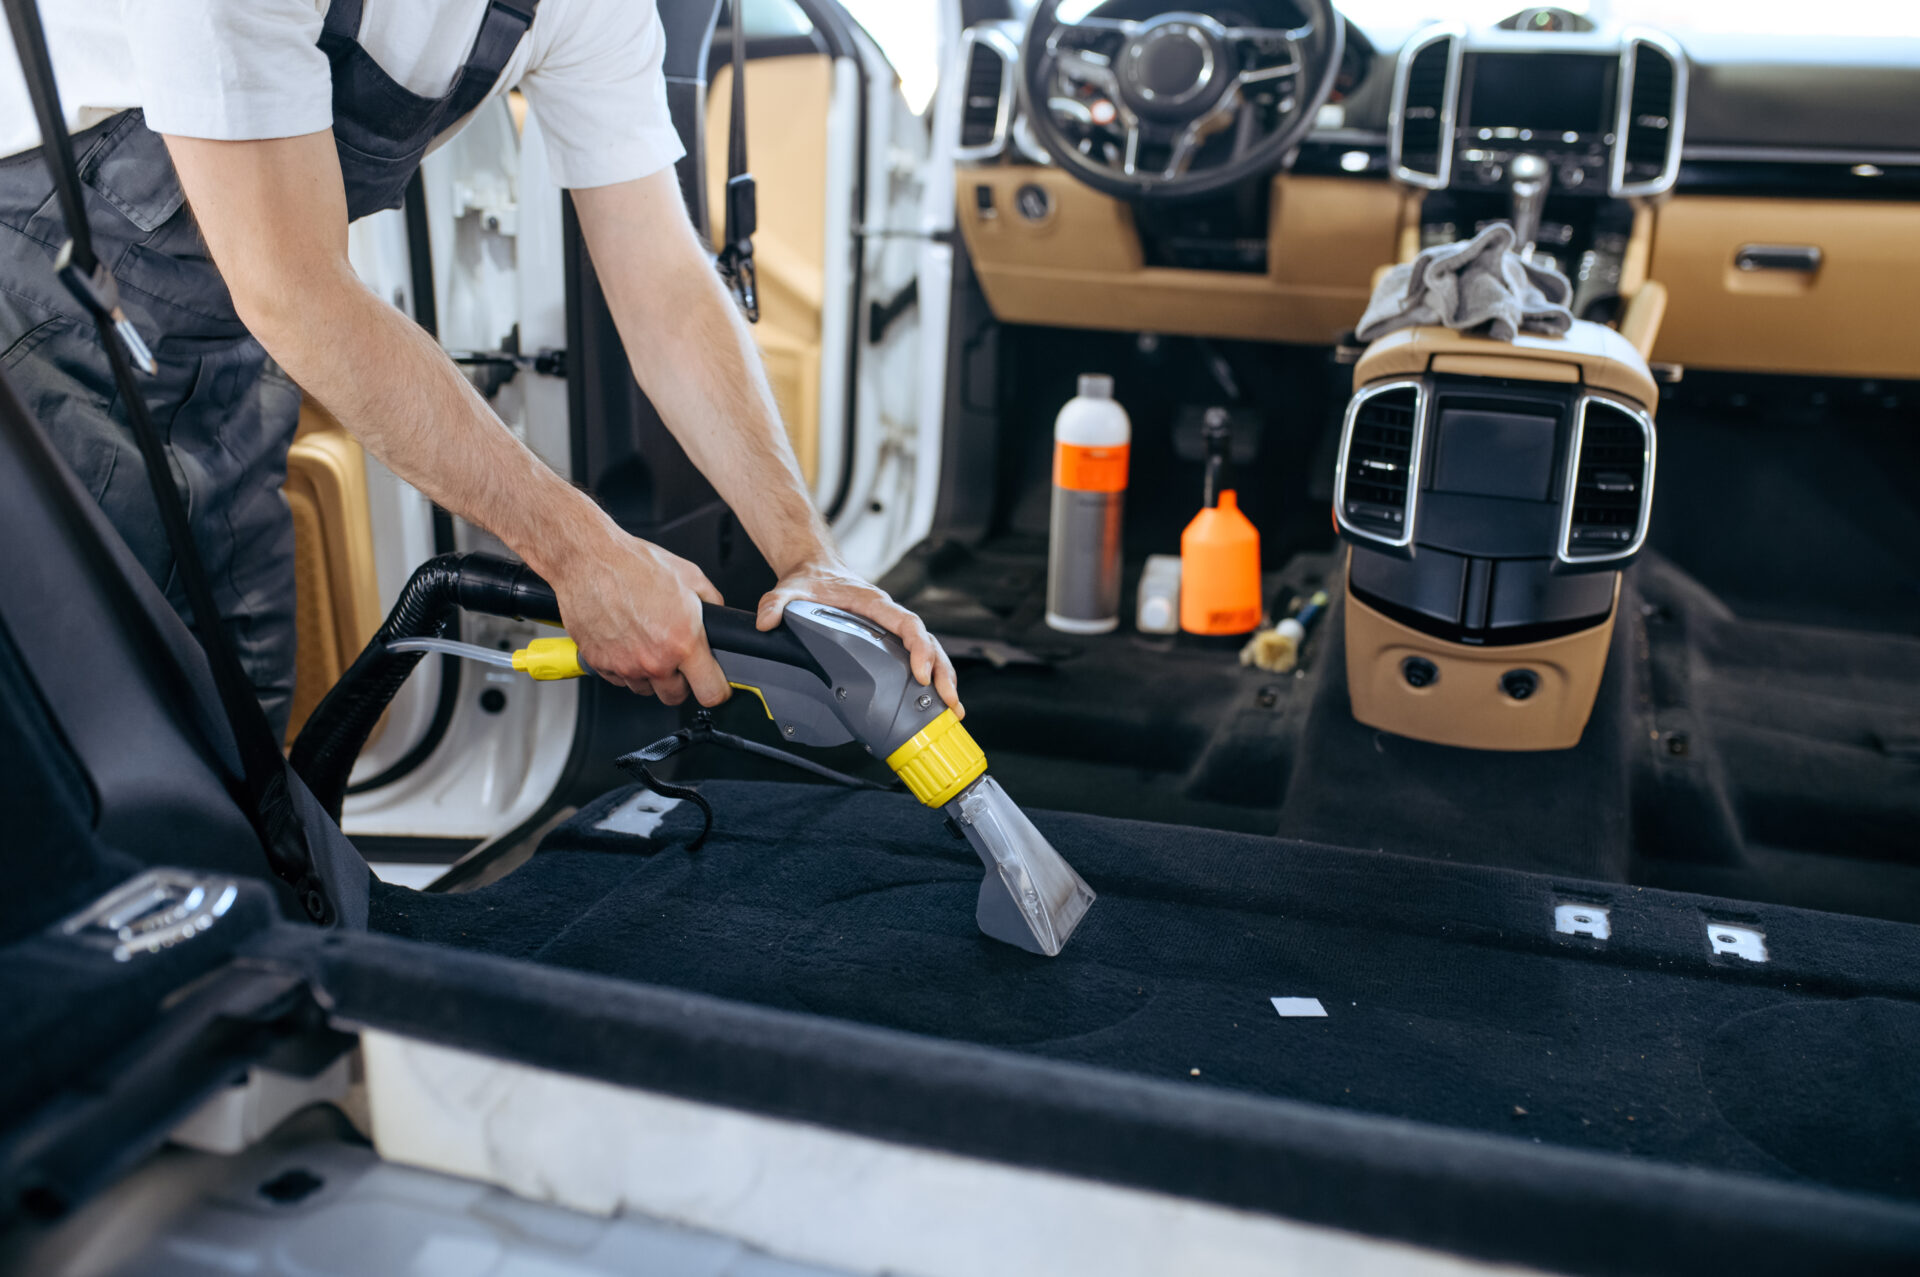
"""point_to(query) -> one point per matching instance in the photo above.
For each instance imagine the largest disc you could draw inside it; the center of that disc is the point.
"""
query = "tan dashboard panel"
(1590, 353)
(1851, 317)
(1082, 265)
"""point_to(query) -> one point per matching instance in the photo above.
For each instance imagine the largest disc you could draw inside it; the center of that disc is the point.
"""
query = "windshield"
(1752, 17)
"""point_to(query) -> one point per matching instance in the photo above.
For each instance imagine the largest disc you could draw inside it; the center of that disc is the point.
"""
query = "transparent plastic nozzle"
(1031, 897)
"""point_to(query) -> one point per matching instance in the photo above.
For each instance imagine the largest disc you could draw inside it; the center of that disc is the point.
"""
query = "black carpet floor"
(1762, 759)
(1450, 997)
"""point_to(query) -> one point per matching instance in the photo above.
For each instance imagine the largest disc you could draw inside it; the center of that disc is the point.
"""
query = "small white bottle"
(1091, 439)
(1157, 608)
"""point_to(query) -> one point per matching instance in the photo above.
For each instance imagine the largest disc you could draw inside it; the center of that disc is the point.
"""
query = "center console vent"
(1653, 105)
(1378, 482)
(1426, 89)
(1610, 489)
(987, 108)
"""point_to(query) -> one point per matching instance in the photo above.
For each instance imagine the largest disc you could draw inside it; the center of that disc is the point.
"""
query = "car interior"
(1586, 820)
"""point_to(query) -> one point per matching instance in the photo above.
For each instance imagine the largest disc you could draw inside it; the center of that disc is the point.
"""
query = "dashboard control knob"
(1034, 201)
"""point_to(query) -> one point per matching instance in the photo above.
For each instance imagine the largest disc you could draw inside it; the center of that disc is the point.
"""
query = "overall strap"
(501, 31)
(343, 20)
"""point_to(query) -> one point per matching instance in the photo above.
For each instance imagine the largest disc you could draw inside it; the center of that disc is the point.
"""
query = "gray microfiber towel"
(1466, 285)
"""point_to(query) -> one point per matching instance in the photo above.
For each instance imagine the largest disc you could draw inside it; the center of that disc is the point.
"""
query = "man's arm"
(274, 215)
(694, 355)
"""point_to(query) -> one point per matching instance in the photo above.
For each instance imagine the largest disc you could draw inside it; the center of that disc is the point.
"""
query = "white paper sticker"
(640, 815)
(1291, 1007)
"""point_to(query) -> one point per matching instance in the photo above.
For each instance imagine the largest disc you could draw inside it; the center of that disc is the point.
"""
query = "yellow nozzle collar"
(548, 659)
(939, 762)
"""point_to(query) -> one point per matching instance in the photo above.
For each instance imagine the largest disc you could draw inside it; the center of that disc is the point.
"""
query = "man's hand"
(830, 581)
(634, 610)
(696, 359)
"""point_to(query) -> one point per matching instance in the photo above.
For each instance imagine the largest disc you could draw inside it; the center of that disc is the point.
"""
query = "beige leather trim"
(1633, 264)
(1505, 366)
(337, 600)
(1597, 355)
(1853, 317)
(1083, 267)
(787, 103)
(1640, 324)
(1465, 707)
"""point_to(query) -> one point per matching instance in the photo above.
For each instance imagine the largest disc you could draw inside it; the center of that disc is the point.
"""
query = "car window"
(772, 19)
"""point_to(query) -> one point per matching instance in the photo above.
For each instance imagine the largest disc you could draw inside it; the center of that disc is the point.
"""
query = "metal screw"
(788, 729)
(924, 701)
(840, 693)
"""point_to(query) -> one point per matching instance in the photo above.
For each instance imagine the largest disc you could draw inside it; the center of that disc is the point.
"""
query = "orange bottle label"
(1084, 469)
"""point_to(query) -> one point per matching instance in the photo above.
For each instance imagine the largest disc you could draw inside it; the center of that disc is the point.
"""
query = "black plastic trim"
(1446, 632)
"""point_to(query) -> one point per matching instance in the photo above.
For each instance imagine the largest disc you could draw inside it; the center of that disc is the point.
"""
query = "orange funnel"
(1220, 571)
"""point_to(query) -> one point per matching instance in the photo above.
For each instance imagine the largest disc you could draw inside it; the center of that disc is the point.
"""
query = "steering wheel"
(1177, 105)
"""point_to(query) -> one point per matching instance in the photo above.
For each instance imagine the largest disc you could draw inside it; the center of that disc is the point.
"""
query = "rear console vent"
(1425, 90)
(986, 111)
(1653, 78)
(1379, 479)
(1611, 488)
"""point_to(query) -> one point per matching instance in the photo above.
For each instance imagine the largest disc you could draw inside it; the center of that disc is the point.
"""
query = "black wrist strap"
(267, 798)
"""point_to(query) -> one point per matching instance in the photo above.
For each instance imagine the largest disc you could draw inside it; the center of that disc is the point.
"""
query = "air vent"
(1647, 154)
(989, 85)
(1423, 116)
(1608, 504)
(1378, 460)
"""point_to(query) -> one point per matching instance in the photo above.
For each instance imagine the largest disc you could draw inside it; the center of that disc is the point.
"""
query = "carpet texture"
(1450, 998)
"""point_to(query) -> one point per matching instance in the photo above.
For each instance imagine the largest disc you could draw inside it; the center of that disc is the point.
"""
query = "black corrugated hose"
(330, 742)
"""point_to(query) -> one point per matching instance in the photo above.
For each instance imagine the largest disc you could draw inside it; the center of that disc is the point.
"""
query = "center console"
(1556, 132)
(1491, 492)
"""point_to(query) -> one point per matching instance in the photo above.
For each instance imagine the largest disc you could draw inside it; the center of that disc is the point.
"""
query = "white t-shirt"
(239, 70)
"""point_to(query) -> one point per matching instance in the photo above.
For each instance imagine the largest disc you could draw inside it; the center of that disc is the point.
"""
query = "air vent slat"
(1609, 493)
(1423, 111)
(1380, 456)
(986, 82)
(1652, 115)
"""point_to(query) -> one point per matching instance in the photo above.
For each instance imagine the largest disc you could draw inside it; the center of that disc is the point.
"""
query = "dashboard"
(1770, 183)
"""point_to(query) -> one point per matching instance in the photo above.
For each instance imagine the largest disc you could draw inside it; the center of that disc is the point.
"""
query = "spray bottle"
(1219, 551)
(1091, 438)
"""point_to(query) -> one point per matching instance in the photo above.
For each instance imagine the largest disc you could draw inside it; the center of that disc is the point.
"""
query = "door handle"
(1803, 258)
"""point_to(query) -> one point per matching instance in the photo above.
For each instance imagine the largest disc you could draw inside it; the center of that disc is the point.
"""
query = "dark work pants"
(226, 412)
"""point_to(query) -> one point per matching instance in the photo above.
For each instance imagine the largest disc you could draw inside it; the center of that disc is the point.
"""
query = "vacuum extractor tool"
(825, 677)
(828, 677)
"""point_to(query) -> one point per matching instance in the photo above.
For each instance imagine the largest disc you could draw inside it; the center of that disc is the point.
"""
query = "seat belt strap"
(742, 212)
(268, 799)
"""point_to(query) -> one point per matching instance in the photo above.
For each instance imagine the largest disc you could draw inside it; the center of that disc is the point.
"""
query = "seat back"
(111, 699)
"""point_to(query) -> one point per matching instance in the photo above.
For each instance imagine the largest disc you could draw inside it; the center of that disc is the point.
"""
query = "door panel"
(787, 107)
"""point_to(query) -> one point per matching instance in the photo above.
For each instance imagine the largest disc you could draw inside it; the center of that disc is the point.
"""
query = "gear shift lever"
(1527, 179)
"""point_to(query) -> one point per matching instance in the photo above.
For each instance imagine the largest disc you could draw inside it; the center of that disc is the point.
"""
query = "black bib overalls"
(226, 412)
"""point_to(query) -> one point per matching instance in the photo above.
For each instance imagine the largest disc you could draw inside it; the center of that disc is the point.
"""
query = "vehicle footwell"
(1757, 759)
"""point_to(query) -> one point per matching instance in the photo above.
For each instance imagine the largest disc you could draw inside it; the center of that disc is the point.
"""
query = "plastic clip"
(97, 291)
